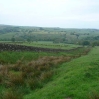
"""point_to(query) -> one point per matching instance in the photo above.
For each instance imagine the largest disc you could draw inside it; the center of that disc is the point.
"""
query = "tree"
(77, 35)
(85, 43)
(28, 39)
(13, 39)
(96, 43)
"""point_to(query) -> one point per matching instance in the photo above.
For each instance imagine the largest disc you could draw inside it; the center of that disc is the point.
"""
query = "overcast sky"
(50, 13)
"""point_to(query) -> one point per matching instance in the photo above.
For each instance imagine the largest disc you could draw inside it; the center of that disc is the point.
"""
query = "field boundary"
(14, 47)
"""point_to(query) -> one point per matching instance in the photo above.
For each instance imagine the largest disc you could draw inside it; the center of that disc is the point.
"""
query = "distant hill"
(55, 34)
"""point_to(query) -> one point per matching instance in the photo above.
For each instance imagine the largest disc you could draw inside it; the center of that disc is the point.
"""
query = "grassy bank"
(78, 79)
(24, 76)
(11, 57)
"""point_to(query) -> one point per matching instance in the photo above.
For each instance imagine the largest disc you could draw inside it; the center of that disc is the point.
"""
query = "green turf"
(51, 45)
(13, 57)
(75, 80)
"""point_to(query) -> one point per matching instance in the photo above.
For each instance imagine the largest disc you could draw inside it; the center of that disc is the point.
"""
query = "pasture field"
(24, 72)
(45, 44)
(11, 57)
(77, 79)
(51, 45)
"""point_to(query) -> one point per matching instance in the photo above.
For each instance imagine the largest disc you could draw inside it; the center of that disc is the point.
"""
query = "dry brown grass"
(10, 94)
(4, 70)
(36, 68)
(33, 83)
(94, 95)
(14, 80)
(46, 75)
(31, 74)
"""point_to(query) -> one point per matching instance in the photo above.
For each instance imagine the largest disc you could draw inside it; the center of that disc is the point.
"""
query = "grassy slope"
(75, 79)
(12, 57)
(35, 33)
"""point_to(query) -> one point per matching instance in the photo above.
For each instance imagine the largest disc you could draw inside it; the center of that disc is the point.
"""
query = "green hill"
(64, 35)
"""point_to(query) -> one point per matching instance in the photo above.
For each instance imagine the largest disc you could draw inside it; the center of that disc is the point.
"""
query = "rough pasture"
(14, 47)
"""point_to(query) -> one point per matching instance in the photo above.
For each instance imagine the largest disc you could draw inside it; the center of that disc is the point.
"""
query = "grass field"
(45, 44)
(24, 72)
(11, 57)
(78, 79)
(51, 45)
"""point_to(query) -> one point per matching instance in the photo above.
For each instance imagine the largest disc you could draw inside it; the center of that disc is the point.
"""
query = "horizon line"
(44, 26)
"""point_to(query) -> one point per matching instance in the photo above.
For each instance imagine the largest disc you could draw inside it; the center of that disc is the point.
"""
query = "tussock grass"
(77, 79)
(11, 94)
(30, 75)
(11, 57)
(94, 95)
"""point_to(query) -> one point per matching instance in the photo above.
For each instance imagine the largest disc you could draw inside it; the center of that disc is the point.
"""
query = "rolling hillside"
(26, 33)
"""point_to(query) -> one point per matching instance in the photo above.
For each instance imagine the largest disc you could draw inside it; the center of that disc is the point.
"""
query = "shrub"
(85, 43)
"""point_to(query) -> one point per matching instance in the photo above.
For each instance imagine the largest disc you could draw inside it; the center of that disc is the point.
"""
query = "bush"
(85, 43)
